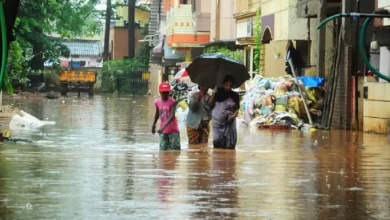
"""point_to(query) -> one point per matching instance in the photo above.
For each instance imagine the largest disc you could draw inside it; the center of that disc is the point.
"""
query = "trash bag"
(289, 84)
(294, 104)
(311, 94)
(280, 108)
(264, 83)
(265, 110)
(273, 84)
(319, 105)
(312, 81)
(183, 105)
(247, 116)
(281, 100)
(268, 101)
(23, 120)
(281, 88)
(257, 100)
(269, 92)
(247, 109)
(182, 112)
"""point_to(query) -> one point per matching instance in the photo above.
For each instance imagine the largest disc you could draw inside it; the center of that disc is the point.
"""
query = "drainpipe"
(380, 13)
(355, 67)
(321, 36)
(363, 53)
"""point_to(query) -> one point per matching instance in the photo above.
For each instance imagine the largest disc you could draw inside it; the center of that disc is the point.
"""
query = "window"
(249, 27)
(304, 47)
(184, 2)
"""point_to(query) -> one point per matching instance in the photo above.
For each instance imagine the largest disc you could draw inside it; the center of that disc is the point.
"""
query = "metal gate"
(135, 81)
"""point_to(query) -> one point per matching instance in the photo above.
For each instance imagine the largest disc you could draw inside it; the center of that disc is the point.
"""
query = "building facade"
(245, 20)
(83, 53)
(222, 23)
(188, 28)
(178, 31)
(119, 30)
(376, 104)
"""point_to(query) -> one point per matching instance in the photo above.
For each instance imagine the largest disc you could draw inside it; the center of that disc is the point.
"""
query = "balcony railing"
(180, 20)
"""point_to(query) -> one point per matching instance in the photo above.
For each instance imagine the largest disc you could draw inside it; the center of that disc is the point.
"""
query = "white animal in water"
(23, 120)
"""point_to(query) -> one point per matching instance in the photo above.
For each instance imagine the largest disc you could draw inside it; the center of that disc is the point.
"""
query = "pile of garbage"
(277, 101)
(8, 108)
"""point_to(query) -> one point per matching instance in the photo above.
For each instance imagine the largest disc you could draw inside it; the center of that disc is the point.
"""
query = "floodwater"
(101, 162)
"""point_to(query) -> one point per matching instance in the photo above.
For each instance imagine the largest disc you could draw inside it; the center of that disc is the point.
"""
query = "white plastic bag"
(23, 120)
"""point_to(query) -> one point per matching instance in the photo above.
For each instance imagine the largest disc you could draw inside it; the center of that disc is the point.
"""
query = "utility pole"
(131, 26)
(107, 32)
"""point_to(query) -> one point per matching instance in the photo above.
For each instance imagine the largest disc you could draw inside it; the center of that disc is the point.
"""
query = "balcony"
(180, 28)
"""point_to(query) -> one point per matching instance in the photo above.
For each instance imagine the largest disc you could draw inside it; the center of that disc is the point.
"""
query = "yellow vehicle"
(77, 80)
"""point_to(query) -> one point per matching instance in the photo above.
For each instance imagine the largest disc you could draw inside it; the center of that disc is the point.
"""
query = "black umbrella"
(211, 69)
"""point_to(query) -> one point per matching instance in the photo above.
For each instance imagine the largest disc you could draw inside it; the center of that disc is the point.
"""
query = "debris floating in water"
(354, 189)
(29, 206)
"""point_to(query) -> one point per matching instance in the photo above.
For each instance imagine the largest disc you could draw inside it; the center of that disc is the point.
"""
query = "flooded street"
(100, 161)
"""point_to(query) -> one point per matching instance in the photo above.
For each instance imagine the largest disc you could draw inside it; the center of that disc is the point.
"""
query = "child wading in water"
(165, 111)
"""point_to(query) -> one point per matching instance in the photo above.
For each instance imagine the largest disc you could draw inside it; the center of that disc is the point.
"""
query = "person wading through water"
(165, 111)
(225, 103)
(199, 116)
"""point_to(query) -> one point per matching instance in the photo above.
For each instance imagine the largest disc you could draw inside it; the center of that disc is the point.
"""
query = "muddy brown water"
(101, 162)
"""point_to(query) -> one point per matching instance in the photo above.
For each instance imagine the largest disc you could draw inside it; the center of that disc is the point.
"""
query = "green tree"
(143, 52)
(114, 69)
(17, 70)
(235, 54)
(38, 20)
(257, 51)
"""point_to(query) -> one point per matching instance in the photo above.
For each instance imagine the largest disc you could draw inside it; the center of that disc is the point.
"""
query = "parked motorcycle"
(179, 91)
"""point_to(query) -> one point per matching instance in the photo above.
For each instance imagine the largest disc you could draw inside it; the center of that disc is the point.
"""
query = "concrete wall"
(202, 15)
(377, 100)
(289, 27)
(377, 108)
(119, 42)
(241, 5)
(274, 67)
(213, 17)
(227, 23)
(155, 79)
(227, 30)
(384, 51)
